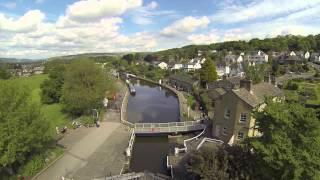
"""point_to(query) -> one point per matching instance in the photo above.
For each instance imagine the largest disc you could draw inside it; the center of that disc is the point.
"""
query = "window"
(227, 113)
(243, 117)
(240, 135)
(224, 132)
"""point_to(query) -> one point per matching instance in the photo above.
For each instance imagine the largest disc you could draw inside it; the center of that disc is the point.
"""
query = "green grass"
(53, 112)
(294, 94)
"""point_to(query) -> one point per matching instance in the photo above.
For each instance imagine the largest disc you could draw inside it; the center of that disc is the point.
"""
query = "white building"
(192, 66)
(163, 65)
(177, 67)
(307, 55)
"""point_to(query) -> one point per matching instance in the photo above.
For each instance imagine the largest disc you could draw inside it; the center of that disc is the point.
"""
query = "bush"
(291, 85)
(86, 120)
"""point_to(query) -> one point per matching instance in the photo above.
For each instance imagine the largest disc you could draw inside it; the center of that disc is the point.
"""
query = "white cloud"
(186, 25)
(232, 13)
(28, 22)
(145, 15)
(90, 10)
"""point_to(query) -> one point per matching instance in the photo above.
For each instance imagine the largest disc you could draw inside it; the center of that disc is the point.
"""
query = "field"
(52, 112)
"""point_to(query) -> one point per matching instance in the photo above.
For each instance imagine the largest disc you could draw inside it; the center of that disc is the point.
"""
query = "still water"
(151, 104)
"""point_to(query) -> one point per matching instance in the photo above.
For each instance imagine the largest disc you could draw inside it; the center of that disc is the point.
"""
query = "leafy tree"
(84, 87)
(208, 163)
(129, 58)
(52, 87)
(23, 130)
(290, 142)
(255, 73)
(4, 72)
(208, 72)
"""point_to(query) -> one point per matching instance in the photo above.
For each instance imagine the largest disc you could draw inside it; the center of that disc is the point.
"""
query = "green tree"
(208, 72)
(129, 58)
(290, 142)
(4, 72)
(84, 87)
(23, 130)
(207, 163)
(51, 88)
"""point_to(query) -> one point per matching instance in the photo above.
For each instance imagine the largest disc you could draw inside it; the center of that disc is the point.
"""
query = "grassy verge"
(54, 117)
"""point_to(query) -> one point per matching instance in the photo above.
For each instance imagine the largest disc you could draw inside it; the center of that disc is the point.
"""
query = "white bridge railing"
(171, 127)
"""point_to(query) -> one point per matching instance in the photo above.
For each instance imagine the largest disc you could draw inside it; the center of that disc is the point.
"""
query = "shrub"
(291, 85)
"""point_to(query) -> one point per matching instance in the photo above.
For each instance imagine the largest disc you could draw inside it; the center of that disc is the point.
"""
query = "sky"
(37, 29)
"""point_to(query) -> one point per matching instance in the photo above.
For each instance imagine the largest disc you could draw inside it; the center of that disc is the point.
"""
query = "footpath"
(91, 152)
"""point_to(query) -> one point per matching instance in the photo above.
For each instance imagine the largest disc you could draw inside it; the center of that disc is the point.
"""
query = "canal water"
(151, 103)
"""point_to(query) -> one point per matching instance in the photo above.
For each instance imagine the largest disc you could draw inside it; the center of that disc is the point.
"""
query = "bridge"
(171, 127)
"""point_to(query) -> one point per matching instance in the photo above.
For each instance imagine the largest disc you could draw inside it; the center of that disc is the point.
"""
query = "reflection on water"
(152, 104)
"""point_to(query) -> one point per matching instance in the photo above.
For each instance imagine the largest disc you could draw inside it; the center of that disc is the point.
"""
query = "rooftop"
(258, 94)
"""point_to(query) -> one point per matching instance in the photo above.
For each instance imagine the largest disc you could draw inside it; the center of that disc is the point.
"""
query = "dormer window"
(227, 113)
(243, 117)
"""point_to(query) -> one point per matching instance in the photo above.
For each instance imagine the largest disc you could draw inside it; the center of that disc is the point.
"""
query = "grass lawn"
(294, 94)
(51, 112)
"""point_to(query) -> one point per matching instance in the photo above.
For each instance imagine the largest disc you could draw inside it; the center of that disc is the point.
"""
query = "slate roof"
(216, 93)
(182, 78)
(259, 92)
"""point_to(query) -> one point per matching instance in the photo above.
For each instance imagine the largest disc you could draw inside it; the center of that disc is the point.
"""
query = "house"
(233, 120)
(38, 70)
(257, 57)
(315, 57)
(177, 67)
(236, 69)
(290, 59)
(292, 53)
(303, 55)
(192, 66)
(226, 83)
(230, 58)
(182, 82)
(163, 65)
(223, 71)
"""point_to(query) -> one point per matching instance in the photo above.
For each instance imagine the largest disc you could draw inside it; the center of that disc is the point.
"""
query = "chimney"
(247, 84)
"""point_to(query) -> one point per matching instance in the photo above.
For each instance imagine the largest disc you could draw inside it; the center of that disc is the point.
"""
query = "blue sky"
(45, 28)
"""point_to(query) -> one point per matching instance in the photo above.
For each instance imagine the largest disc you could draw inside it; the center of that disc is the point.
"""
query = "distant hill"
(16, 60)
(90, 55)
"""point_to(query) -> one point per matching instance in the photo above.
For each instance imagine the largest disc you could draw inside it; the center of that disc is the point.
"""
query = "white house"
(307, 55)
(163, 65)
(202, 60)
(315, 57)
(292, 53)
(192, 66)
(177, 67)
(257, 57)
(240, 59)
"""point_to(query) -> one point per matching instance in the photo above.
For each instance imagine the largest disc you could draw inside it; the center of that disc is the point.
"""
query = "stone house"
(315, 57)
(233, 120)
(257, 57)
(182, 82)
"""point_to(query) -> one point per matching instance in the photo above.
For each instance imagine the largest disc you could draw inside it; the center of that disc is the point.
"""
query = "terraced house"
(233, 120)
